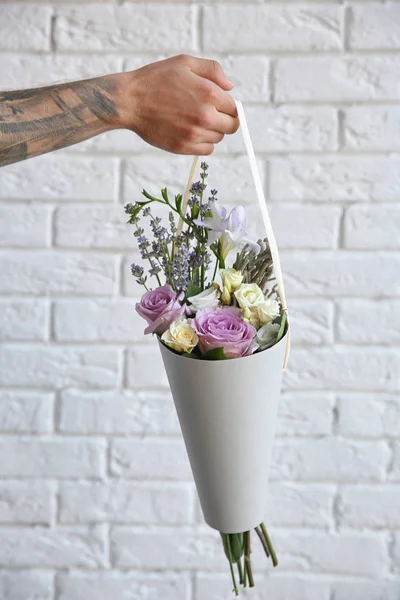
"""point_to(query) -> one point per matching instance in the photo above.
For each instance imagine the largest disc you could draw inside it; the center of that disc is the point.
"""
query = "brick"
(31, 71)
(26, 412)
(377, 27)
(250, 74)
(231, 176)
(368, 227)
(94, 226)
(375, 507)
(26, 585)
(111, 320)
(61, 177)
(383, 316)
(58, 367)
(285, 129)
(25, 502)
(370, 128)
(360, 590)
(337, 79)
(125, 502)
(43, 273)
(161, 549)
(396, 554)
(102, 585)
(135, 27)
(330, 459)
(23, 319)
(297, 226)
(300, 505)
(344, 369)
(145, 368)
(259, 28)
(305, 414)
(61, 547)
(278, 587)
(25, 27)
(349, 553)
(366, 415)
(155, 458)
(311, 322)
(24, 225)
(340, 274)
(394, 467)
(117, 412)
(335, 178)
(51, 457)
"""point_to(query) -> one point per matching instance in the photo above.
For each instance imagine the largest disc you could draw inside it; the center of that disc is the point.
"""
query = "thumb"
(212, 70)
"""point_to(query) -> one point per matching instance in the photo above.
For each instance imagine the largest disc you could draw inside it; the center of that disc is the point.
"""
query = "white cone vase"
(227, 412)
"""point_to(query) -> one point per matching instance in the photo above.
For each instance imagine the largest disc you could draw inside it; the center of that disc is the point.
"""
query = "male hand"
(180, 104)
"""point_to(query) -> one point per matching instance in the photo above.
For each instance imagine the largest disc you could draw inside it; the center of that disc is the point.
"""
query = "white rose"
(180, 336)
(249, 295)
(206, 299)
(267, 334)
(231, 279)
(268, 310)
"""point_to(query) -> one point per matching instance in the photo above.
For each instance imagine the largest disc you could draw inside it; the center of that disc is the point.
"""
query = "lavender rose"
(224, 327)
(160, 307)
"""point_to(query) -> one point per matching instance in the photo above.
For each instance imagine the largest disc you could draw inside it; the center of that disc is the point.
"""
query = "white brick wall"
(96, 496)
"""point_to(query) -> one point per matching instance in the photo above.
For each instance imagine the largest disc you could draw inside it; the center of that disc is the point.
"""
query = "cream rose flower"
(209, 298)
(249, 295)
(231, 279)
(180, 336)
(268, 311)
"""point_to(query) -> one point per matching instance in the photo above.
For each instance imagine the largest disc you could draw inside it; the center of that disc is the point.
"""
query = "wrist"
(126, 98)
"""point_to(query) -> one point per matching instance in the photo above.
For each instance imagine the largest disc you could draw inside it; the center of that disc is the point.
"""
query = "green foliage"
(215, 354)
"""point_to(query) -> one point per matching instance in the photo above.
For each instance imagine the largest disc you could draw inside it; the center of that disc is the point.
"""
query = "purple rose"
(224, 327)
(160, 307)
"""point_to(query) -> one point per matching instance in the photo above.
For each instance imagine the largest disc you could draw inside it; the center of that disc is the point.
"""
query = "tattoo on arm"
(41, 120)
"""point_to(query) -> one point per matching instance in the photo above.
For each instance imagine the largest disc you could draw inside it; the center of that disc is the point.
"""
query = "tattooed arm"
(180, 104)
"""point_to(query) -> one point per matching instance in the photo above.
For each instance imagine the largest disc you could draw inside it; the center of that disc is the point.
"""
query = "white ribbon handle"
(264, 212)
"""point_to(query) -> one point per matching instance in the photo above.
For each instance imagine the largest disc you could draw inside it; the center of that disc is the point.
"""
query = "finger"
(224, 123)
(203, 149)
(224, 103)
(212, 70)
(211, 137)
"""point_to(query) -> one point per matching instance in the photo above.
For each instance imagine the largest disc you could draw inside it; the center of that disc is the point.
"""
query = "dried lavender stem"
(264, 544)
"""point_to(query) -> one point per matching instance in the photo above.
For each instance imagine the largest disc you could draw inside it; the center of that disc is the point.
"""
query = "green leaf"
(282, 327)
(236, 545)
(178, 202)
(214, 354)
(192, 290)
(164, 194)
(150, 197)
(195, 211)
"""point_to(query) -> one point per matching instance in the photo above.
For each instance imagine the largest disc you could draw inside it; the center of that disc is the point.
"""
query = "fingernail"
(230, 81)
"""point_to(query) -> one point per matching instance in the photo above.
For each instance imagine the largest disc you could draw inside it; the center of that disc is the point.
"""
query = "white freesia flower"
(268, 311)
(249, 295)
(231, 279)
(226, 296)
(206, 299)
(180, 336)
(230, 229)
(267, 334)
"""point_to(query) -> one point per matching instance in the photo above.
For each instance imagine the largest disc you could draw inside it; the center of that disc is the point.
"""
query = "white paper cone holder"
(228, 409)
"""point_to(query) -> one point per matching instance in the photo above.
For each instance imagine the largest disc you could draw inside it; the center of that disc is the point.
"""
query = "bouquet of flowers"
(210, 294)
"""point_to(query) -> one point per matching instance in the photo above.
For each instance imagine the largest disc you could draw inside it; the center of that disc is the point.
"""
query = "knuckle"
(204, 119)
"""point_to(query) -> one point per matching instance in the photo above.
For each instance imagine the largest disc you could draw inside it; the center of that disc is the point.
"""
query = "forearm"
(41, 120)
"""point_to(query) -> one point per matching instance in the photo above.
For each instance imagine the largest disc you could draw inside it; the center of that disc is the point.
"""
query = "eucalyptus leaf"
(192, 290)
(282, 328)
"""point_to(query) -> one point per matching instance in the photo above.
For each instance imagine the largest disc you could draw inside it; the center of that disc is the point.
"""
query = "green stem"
(228, 545)
(244, 570)
(269, 544)
(262, 540)
(215, 270)
(239, 566)
(247, 560)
